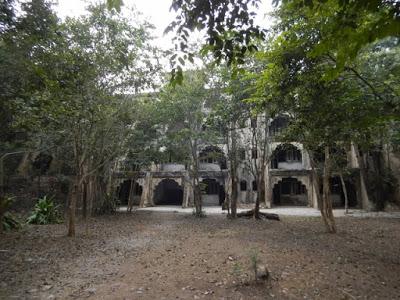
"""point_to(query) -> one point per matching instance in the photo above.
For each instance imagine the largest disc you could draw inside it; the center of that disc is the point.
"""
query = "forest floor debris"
(155, 255)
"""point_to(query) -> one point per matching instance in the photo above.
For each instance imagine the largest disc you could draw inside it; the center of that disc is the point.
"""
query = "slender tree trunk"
(72, 207)
(130, 197)
(260, 195)
(84, 200)
(234, 195)
(197, 199)
(326, 209)
(346, 199)
(38, 194)
(2, 211)
(2, 194)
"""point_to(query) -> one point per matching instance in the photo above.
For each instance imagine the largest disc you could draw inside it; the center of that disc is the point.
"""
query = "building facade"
(288, 176)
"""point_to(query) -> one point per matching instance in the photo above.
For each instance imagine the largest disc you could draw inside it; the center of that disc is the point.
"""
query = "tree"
(226, 117)
(89, 111)
(347, 26)
(184, 118)
(325, 111)
(25, 41)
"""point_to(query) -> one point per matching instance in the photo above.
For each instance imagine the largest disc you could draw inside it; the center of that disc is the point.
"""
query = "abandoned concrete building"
(288, 177)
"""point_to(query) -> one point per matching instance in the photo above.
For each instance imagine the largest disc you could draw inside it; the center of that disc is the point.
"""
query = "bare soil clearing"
(153, 255)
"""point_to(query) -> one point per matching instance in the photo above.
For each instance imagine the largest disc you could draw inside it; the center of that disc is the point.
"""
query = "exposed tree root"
(250, 214)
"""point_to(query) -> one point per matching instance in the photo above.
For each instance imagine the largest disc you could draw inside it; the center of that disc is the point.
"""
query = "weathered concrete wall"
(173, 167)
(209, 167)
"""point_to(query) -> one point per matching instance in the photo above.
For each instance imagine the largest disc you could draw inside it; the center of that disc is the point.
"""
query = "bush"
(108, 205)
(10, 222)
(44, 212)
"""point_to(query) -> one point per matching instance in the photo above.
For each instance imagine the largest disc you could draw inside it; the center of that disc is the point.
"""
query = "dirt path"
(152, 255)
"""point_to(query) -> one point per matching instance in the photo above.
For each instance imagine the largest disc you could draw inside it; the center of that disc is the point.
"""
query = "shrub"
(44, 212)
(10, 222)
(108, 205)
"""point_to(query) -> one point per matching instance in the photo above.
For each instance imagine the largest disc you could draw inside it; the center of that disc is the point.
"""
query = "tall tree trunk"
(326, 209)
(233, 155)
(2, 211)
(260, 195)
(130, 196)
(346, 198)
(197, 199)
(84, 200)
(234, 195)
(38, 186)
(72, 207)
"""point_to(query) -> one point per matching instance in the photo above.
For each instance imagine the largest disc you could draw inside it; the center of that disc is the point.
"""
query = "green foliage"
(44, 212)
(254, 261)
(5, 202)
(229, 25)
(237, 269)
(108, 205)
(11, 222)
(114, 4)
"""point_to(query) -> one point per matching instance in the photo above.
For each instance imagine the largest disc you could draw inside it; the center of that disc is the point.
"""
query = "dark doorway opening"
(168, 192)
(290, 192)
(124, 190)
(337, 194)
(213, 192)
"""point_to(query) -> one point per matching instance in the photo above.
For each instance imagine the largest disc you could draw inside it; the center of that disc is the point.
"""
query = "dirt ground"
(153, 255)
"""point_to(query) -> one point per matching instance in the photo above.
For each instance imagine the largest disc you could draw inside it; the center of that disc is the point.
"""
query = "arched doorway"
(286, 156)
(168, 192)
(124, 190)
(337, 194)
(213, 155)
(213, 192)
(290, 192)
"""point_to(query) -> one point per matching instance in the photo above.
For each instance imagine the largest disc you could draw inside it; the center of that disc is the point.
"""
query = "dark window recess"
(253, 122)
(274, 164)
(254, 153)
(254, 185)
(212, 188)
(277, 125)
(242, 154)
(243, 185)
(286, 188)
(281, 156)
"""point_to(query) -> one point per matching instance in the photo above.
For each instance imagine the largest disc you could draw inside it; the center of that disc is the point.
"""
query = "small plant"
(254, 261)
(10, 222)
(44, 212)
(237, 269)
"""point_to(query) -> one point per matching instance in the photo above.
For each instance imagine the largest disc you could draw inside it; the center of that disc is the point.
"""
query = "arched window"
(285, 153)
(213, 155)
(277, 125)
